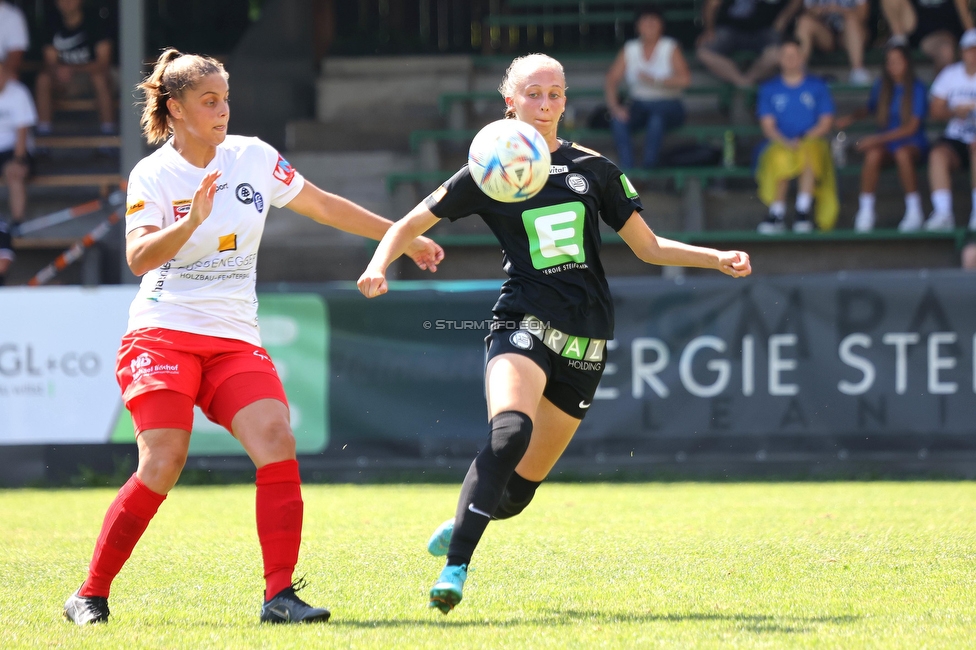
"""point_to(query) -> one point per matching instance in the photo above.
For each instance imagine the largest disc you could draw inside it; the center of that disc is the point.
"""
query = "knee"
(280, 437)
(165, 464)
(938, 158)
(509, 436)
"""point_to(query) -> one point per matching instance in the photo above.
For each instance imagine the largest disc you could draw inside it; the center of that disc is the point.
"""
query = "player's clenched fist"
(372, 284)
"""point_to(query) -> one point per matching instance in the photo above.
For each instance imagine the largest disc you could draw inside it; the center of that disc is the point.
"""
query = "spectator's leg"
(900, 16)
(621, 138)
(972, 173)
(969, 256)
(940, 47)
(43, 95)
(778, 207)
(870, 170)
(722, 67)
(103, 97)
(804, 191)
(811, 33)
(655, 125)
(906, 158)
(855, 34)
(763, 67)
(942, 161)
(15, 176)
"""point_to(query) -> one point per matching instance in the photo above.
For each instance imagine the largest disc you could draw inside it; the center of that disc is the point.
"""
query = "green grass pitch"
(762, 565)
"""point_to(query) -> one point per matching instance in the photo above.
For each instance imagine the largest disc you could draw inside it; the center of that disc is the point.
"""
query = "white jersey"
(16, 112)
(208, 288)
(658, 67)
(957, 88)
(13, 30)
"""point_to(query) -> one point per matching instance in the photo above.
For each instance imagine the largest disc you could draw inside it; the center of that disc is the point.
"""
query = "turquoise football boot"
(446, 592)
(441, 539)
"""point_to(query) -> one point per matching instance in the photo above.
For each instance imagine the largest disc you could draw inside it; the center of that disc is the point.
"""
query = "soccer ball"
(509, 160)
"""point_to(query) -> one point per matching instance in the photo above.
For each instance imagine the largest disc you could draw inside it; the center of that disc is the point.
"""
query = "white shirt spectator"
(16, 112)
(13, 30)
(658, 67)
(957, 88)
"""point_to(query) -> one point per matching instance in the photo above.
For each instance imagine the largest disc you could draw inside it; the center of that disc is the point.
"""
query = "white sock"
(803, 202)
(942, 201)
(866, 202)
(913, 202)
(778, 209)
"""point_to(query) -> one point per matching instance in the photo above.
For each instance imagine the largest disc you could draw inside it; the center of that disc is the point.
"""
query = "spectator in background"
(796, 111)
(76, 44)
(17, 116)
(655, 72)
(898, 102)
(823, 22)
(953, 98)
(934, 26)
(14, 39)
(733, 26)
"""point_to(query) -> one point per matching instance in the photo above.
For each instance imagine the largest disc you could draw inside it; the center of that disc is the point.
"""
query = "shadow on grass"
(758, 623)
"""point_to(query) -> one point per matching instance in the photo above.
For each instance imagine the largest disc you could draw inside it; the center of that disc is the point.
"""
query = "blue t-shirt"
(919, 110)
(796, 108)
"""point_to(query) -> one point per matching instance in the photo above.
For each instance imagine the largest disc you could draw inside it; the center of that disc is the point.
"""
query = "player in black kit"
(554, 315)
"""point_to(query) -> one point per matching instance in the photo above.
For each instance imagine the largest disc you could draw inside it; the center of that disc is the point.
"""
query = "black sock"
(485, 482)
(517, 495)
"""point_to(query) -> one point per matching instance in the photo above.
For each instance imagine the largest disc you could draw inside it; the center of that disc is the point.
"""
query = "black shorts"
(572, 375)
(960, 148)
(729, 40)
(8, 155)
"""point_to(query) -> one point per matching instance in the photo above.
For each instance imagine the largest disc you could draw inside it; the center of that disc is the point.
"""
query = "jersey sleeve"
(620, 199)
(942, 85)
(764, 105)
(26, 115)
(458, 197)
(286, 182)
(825, 101)
(873, 97)
(143, 206)
(920, 107)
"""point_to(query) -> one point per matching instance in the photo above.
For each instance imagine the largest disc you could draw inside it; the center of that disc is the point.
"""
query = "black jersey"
(551, 242)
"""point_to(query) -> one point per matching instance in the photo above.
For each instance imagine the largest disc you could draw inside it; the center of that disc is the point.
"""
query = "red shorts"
(164, 372)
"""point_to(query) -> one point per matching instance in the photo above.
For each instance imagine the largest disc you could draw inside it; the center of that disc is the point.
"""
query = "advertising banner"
(57, 368)
(872, 356)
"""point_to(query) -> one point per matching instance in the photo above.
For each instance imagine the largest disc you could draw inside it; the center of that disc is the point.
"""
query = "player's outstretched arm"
(372, 283)
(333, 210)
(666, 252)
(149, 247)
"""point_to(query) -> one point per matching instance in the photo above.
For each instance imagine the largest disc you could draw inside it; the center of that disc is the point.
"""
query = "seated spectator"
(17, 116)
(796, 111)
(14, 40)
(953, 98)
(76, 45)
(733, 26)
(655, 72)
(824, 22)
(898, 102)
(934, 26)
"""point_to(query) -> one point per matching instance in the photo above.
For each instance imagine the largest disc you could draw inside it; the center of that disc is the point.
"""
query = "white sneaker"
(771, 226)
(860, 77)
(864, 221)
(938, 221)
(911, 222)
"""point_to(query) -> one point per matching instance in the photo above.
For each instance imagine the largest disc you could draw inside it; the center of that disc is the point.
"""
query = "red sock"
(279, 517)
(125, 522)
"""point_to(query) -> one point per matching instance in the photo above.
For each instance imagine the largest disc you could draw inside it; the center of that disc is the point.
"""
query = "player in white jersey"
(195, 214)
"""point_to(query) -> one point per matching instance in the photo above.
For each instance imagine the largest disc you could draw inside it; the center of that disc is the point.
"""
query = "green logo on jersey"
(628, 188)
(555, 234)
